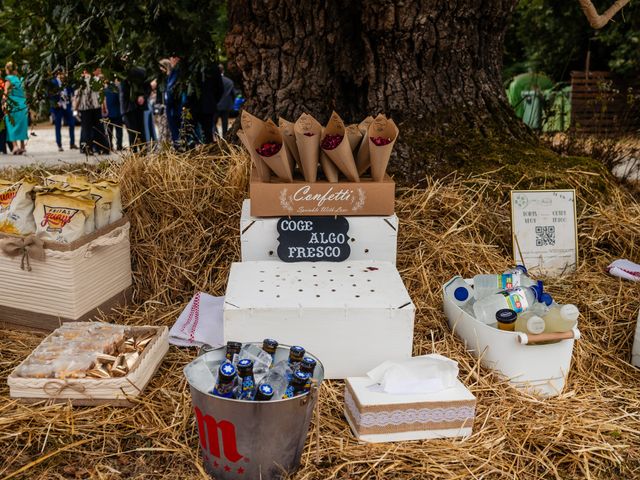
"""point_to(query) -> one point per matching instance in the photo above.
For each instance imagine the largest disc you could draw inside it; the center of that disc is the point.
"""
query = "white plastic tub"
(541, 369)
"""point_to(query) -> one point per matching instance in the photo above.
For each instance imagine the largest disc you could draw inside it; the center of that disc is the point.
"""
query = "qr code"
(546, 236)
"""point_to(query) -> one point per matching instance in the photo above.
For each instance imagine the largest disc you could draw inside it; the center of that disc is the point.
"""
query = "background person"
(113, 115)
(225, 104)
(16, 110)
(174, 101)
(61, 109)
(134, 91)
(92, 134)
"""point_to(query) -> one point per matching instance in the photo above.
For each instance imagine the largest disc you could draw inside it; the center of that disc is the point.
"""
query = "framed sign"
(313, 239)
(544, 230)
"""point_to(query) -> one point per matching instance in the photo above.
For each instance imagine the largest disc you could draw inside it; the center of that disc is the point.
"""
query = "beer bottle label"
(247, 390)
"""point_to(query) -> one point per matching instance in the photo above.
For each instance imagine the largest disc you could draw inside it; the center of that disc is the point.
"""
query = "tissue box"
(73, 283)
(375, 416)
(371, 238)
(349, 314)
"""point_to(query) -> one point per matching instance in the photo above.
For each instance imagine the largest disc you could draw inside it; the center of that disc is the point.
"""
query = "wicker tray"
(93, 391)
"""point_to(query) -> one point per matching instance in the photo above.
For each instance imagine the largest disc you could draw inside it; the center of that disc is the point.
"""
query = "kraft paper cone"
(341, 156)
(280, 163)
(379, 155)
(288, 135)
(308, 146)
(264, 174)
(362, 158)
(328, 167)
(354, 135)
(250, 127)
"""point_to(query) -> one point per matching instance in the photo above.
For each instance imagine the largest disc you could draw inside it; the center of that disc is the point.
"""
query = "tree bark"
(429, 64)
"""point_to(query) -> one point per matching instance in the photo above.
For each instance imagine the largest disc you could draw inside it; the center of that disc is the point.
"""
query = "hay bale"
(184, 211)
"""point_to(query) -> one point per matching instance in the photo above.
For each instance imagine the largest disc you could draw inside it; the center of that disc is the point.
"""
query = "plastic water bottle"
(485, 285)
(460, 292)
(518, 299)
(561, 318)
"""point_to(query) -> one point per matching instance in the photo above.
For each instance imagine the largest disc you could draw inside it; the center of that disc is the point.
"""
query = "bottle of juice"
(561, 318)
(529, 322)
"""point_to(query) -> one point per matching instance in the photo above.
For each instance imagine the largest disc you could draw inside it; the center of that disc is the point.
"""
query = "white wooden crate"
(351, 315)
(371, 238)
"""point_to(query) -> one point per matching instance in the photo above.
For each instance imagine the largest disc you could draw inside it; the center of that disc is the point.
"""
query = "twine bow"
(29, 247)
(54, 389)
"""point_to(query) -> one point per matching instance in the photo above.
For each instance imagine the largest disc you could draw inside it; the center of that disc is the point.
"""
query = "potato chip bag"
(116, 203)
(64, 214)
(16, 207)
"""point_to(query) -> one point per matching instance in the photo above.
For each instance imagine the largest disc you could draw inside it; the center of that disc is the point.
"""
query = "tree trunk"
(429, 64)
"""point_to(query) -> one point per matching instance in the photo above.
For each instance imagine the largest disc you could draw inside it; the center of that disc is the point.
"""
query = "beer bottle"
(296, 354)
(233, 348)
(297, 384)
(247, 382)
(225, 381)
(270, 346)
(308, 365)
(264, 393)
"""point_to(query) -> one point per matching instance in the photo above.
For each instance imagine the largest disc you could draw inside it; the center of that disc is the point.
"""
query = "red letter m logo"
(208, 429)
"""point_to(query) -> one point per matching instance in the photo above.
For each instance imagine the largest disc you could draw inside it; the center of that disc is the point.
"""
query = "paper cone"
(264, 174)
(362, 158)
(250, 127)
(354, 135)
(288, 135)
(341, 156)
(280, 163)
(328, 168)
(379, 155)
(308, 146)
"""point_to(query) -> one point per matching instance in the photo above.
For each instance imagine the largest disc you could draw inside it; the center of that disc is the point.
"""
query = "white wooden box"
(371, 238)
(72, 283)
(351, 315)
(376, 416)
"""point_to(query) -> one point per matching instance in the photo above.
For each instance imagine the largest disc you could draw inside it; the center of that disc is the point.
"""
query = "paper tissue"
(412, 399)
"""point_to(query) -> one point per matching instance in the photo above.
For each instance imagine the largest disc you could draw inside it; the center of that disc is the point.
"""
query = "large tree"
(433, 65)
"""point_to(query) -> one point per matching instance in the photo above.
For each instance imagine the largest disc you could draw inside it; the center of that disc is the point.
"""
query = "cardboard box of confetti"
(90, 363)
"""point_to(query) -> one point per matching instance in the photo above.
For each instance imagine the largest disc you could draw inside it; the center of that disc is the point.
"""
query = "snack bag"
(381, 137)
(268, 144)
(250, 126)
(65, 180)
(64, 214)
(308, 132)
(110, 201)
(362, 158)
(289, 138)
(16, 207)
(335, 144)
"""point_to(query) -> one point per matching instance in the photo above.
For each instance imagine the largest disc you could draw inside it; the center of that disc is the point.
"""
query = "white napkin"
(425, 374)
(625, 269)
(199, 323)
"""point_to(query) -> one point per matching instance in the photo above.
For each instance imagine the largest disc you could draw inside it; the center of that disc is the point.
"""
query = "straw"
(184, 211)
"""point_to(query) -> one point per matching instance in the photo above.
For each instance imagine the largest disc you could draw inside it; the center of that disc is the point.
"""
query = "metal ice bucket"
(252, 440)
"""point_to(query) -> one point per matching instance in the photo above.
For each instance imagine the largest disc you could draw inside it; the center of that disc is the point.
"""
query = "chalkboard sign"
(313, 239)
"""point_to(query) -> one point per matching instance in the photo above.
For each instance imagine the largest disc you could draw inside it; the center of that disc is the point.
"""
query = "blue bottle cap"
(546, 299)
(522, 268)
(461, 294)
(227, 369)
(245, 362)
(266, 389)
(297, 350)
(300, 375)
(309, 361)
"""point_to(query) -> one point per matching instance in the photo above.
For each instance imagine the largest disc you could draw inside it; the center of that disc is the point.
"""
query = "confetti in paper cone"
(308, 132)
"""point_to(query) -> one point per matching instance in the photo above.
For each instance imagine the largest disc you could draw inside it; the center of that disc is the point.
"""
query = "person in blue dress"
(17, 113)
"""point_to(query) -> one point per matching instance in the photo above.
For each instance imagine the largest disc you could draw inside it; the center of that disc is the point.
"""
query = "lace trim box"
(378, 413)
